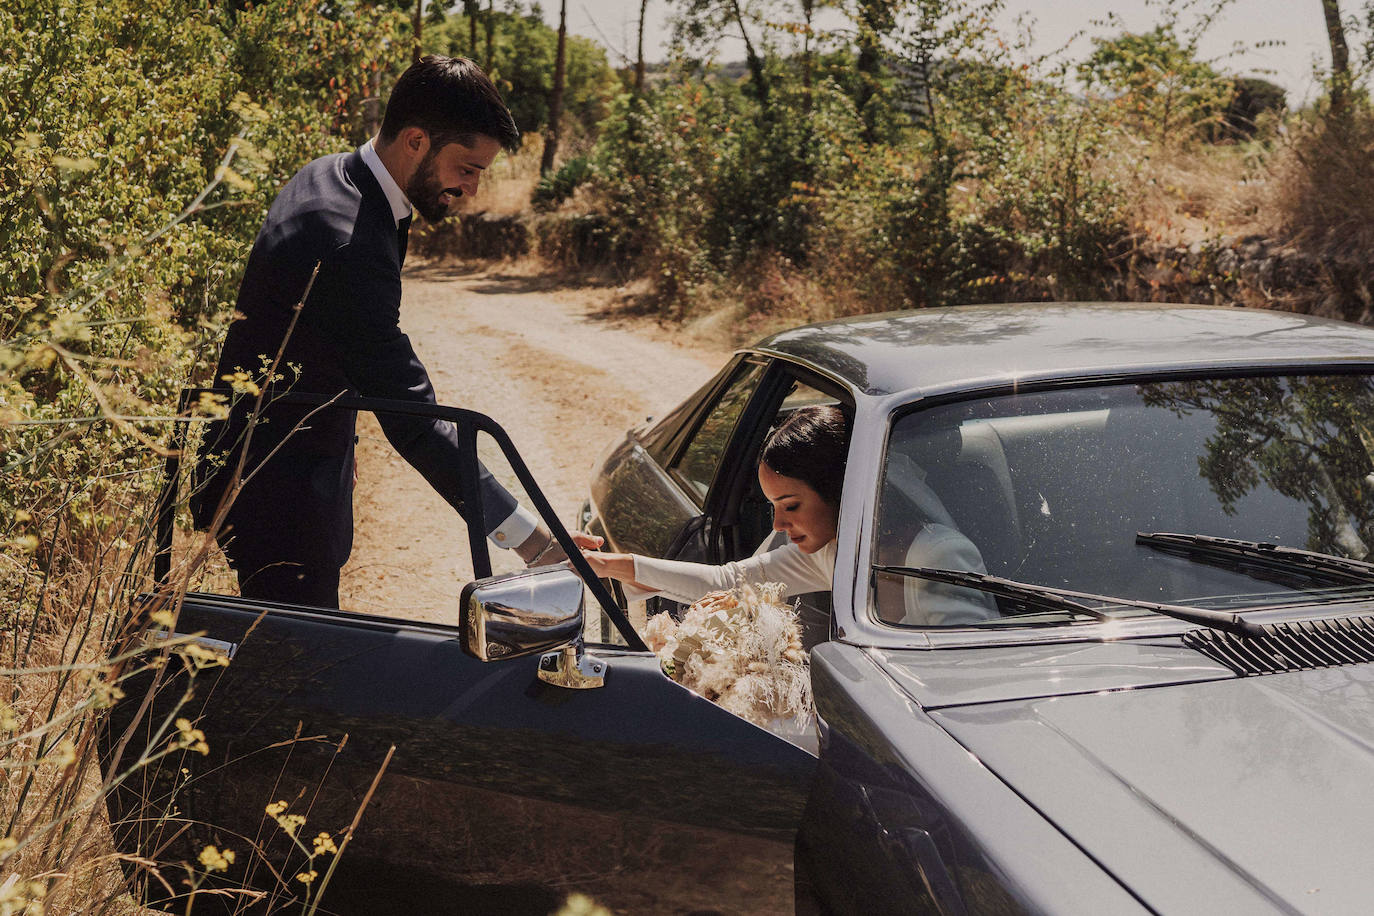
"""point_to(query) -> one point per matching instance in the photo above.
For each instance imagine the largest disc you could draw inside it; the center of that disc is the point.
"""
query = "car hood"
(1219, 795)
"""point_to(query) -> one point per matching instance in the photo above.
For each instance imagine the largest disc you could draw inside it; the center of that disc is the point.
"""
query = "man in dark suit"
(290, 529)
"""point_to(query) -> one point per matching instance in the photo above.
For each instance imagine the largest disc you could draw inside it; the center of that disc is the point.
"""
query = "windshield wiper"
(1232, 552)
(1071, 601)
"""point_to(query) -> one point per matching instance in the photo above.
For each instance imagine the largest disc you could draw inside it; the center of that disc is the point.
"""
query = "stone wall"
(1254, 271)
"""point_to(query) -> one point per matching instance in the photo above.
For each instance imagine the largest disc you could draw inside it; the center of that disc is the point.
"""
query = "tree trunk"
(419, 24)
(491, 35)
(755, 62)
(639, 57)
(1340, 57)
(472, 9)
(556, 97)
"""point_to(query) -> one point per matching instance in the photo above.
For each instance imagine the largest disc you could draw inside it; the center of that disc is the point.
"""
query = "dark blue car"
(1167, 707)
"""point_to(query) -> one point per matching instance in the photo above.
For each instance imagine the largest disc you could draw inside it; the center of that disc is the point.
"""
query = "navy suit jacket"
(298, 506)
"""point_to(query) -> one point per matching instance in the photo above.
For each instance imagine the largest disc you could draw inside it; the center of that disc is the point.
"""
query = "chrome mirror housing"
(522, 613)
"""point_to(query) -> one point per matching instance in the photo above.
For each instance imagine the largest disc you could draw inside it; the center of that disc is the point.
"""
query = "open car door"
(475, 786)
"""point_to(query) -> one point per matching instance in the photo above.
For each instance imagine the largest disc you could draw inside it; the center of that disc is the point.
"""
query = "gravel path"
(556, 366)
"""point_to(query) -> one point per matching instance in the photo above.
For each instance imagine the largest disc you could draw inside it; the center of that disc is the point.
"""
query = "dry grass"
(1183, 196)
(1324, 188)
(509, 183)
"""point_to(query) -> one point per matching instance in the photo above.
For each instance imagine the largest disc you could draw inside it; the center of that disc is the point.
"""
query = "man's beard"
(424, 191)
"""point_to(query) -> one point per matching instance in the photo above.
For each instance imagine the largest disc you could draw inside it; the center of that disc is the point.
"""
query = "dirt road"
(562, 373)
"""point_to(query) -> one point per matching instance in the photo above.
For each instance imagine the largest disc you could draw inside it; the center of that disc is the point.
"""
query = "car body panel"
(971, 347)
(1241, 795)
(902, 819)
(958, 677)
(504, 791)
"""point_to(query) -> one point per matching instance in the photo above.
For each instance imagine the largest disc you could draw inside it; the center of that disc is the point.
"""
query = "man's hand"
(540, 548)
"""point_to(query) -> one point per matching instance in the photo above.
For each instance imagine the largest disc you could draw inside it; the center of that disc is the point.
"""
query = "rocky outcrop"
(1250, 270)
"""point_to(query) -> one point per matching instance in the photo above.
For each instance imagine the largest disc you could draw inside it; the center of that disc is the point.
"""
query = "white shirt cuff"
(515, 530)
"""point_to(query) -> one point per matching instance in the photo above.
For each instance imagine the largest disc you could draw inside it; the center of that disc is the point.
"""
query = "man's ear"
(414, 140)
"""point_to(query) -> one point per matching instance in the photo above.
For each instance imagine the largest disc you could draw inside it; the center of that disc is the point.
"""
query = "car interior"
(1057, 497)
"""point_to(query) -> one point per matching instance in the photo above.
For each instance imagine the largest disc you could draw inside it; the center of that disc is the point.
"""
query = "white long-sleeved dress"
(798, 572)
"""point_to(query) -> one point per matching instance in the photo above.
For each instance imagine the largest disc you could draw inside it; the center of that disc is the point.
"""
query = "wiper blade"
(1271, 556)
(1072, 601)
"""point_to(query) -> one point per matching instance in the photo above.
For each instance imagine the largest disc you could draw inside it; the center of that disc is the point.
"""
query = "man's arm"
(357, 303)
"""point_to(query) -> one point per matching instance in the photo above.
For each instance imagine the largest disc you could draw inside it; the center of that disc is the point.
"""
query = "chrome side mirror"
(522, 613)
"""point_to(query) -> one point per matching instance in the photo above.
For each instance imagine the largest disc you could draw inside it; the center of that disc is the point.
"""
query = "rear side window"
(696, 465)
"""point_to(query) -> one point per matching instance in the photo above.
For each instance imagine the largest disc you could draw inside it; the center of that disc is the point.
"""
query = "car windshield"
(1053, 489)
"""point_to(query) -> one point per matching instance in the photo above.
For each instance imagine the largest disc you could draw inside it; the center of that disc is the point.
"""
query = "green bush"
(140, 145)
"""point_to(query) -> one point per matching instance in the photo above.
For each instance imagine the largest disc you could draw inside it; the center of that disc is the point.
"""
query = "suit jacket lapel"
(374, 199)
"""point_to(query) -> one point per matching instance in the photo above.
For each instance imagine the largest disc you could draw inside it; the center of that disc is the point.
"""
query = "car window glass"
(1051, 488)
(696, 466)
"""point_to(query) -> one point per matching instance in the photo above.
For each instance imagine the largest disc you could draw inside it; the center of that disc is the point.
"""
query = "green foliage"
(522, 62)
(1158, 84)
(140, 145)
(557, 187)
(1252, 100)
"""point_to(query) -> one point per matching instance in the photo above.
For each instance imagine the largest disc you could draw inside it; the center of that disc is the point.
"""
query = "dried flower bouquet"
(741, 649)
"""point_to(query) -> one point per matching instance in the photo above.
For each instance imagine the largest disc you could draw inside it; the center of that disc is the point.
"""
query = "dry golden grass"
(1203, 192)
(507, 186)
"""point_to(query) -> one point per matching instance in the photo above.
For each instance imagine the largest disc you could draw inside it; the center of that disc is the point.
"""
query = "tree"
(556, 97)
(1158, 82)
(1340, 58)
(1251, 98)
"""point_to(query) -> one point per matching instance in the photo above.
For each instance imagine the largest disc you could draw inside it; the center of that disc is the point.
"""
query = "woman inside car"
(801, 472)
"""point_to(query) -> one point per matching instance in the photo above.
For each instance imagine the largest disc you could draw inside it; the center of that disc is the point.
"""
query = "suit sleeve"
(359, 301)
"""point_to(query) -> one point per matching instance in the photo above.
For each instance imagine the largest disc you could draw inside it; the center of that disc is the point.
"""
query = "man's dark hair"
(811, 445)
(452, 100)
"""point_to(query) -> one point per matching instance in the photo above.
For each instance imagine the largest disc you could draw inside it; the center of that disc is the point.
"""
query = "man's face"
(448, 173)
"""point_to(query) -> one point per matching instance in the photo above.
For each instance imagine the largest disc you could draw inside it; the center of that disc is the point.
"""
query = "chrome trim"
(222, 646)
(522, 613)
(571, 667)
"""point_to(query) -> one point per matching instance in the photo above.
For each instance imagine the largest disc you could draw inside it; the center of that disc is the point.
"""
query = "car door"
(500, 792)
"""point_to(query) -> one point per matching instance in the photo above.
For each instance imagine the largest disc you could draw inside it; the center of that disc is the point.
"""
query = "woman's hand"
(611, 565)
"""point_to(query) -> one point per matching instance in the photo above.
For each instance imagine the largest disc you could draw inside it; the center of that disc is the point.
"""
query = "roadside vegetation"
(915, 156)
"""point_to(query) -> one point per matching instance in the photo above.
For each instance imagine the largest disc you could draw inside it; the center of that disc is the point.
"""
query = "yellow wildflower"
(290, 823)
(64, 755)
(306, 877)
(213, 859)
(242, 383)
(277, 807)
(201, 657)
(324, 844)
(191, 739)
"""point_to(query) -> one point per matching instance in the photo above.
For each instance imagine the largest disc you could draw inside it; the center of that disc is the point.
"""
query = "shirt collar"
(400, 204)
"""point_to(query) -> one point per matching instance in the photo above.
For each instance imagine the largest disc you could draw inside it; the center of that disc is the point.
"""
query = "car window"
(697, 463)
(1051, 488)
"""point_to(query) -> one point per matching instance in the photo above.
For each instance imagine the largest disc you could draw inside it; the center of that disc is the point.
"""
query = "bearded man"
(290, 529)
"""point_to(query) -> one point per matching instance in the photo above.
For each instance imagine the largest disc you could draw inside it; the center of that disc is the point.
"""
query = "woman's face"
(798, 510)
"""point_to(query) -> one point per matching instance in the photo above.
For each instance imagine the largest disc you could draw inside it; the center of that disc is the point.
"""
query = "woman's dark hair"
(810, 445)
(452, 100)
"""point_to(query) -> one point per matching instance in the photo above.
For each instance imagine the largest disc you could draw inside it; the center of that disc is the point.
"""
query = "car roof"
(989, 345)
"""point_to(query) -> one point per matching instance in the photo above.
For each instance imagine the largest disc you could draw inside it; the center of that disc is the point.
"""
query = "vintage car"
(1165, 705)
